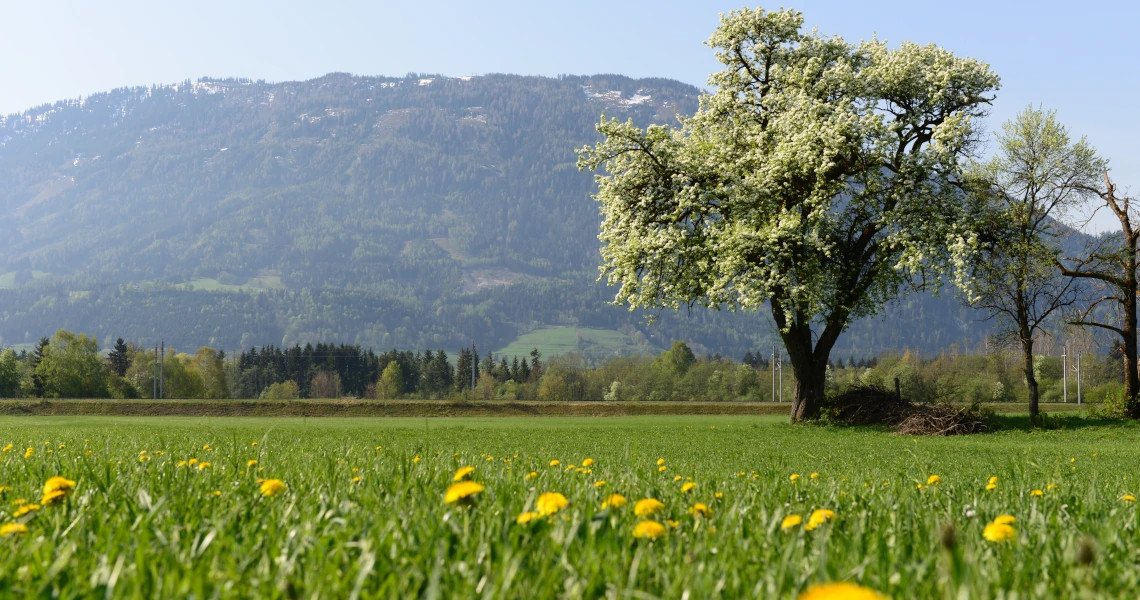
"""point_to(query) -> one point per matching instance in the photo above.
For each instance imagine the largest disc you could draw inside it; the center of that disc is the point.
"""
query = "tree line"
(70, 365)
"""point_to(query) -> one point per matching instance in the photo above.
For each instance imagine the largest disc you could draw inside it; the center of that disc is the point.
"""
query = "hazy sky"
(1082, 59)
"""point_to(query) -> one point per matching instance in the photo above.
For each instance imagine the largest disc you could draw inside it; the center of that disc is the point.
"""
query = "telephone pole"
(1065, 374)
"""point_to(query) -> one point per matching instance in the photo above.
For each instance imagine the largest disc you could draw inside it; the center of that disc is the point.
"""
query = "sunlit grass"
(363, 509)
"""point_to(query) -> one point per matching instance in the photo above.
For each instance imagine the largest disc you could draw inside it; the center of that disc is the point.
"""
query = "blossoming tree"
(820, 177)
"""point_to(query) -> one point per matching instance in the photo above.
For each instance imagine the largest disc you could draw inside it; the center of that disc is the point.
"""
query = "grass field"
(8, 280)
(592, 343)
(254, 285)
(363, 511)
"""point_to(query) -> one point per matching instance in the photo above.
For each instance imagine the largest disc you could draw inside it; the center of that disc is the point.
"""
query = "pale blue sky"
(1081, 59)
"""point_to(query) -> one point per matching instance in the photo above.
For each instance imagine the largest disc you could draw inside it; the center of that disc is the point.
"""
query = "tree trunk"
(1131, 385)
(1031, 380)
(809, 365)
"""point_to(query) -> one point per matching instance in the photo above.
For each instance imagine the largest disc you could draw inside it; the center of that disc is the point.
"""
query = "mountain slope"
(413, 212)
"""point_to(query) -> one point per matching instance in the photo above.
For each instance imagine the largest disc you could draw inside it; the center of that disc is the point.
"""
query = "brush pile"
(873, 405)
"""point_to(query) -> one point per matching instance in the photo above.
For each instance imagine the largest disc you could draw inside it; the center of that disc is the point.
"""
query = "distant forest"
(70, 365)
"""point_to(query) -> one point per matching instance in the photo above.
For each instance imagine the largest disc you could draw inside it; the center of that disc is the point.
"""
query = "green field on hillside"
(256, 284)
(178, 507)
(591, 343)
(8, 280)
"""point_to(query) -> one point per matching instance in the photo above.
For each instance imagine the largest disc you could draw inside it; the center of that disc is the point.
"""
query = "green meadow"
(363, 511)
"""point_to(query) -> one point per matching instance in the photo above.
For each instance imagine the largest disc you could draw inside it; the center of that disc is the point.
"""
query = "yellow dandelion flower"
(993, 480)
(649, 530)
(647, 507)
(357, 479)
(933, 480)
(207, 448)
(589, 462)
(10, 529)
(204, 465)
(1036, 493)
(30, 452)
(1052, 487)
(463, 473)
(794, 477)
(661, 469)
(1128, 498)
(416, 458)
(991, 487)
(143, 458)
(599, 484)
(526, 517)
(718, 495)
(1073, 459)
(379, 447)
(192, 462)
(700, 509)
(676, 478)
(555, 462)
(660, 462)
(216, 493)
(790, 522)
(24, 509)
(531, 475)
(550, 503)
(254, 444)
(272, 487)
(58, 484)
(251, 462)
(999, 532)
(462, 491)
(921, 487)
(672, 524)
(52, 497)
(1005, 520)
(614, 501)
(818, 517)
(840, 591)
(181, 463)
(814, 475)
(687, 487)
(8, 448)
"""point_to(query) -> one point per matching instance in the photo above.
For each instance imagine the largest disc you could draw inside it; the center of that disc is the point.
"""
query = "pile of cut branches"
(874, 405)
(942, 419)
(866, 405)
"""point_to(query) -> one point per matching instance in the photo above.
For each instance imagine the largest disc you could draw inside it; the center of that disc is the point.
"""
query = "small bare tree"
(1037, 176)
(1112, 264)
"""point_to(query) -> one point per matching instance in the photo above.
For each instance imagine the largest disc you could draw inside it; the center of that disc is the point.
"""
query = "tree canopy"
(820, 177)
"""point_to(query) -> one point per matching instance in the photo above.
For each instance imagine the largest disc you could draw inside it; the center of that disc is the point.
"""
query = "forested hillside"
(413, 212)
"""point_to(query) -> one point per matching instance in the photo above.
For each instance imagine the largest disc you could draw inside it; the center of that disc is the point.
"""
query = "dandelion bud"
(948, 537)
(1086, 552)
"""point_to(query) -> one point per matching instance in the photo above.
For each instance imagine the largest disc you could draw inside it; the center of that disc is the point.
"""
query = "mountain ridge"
(413, 212)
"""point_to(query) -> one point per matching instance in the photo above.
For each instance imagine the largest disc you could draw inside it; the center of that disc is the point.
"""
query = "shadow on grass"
(1052, 422)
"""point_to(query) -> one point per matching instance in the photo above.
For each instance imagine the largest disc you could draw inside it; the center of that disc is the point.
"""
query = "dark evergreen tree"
(119, 358)
(37, 357)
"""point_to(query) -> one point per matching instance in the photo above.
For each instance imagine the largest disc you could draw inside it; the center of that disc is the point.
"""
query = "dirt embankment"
(372, 408)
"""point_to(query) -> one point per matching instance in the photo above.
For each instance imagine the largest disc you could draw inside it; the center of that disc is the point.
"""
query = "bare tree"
(1037, 176)
(1112, 264)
